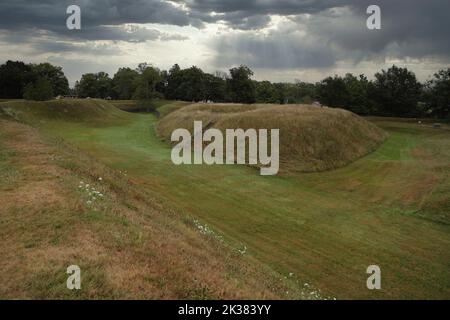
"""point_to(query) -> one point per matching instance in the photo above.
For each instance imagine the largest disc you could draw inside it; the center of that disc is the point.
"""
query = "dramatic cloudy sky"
(282, 40)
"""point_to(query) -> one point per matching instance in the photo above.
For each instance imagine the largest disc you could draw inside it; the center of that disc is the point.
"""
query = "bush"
(41, 90)
(438, 94)
(396, 93)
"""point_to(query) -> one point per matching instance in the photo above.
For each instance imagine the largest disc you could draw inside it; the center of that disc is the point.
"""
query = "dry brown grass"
(131, 245)
(311, 138)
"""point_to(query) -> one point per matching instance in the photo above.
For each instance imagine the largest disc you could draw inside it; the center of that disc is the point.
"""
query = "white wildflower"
(243, 251)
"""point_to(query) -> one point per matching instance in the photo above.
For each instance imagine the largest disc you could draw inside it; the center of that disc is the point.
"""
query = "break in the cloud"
(280, 39)
(340, 34)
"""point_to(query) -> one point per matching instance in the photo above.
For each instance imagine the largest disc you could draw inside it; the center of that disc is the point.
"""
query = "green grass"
(50, 283)
(163, 106)
(170, 107)
(9, 175)
(325, 228)
(128, 243)
(93, 112)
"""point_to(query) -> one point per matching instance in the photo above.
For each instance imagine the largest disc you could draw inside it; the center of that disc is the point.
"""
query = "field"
(308, 235)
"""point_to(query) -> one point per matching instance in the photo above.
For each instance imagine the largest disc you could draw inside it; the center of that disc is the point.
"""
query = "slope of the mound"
(128, 243)
(162, 106)
(311, 139)
(72, 110)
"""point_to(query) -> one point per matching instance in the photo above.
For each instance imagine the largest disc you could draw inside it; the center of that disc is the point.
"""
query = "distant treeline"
(393, 92)
(31, 81)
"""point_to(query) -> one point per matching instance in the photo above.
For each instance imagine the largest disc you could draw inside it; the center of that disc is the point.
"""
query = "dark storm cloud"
(410, 29)
(228, 11)
(68, 47)
(417, 28)
(258, 7)
(128, 33)
(318, 33)
(403, 20)
(410, 16)
(50, 15)
(240, 21)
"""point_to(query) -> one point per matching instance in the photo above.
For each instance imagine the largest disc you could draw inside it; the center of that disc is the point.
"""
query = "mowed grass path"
(390, 208)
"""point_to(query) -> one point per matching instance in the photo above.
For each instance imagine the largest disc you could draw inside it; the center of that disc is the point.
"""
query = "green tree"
(14, 77)
(54, 75)
(41, 90)
(241, 86)
(438, 94)
(396, 92)
(86, 87)
(94, 85)
(124, 83)
(192, 86)
(358, 94)
(173, 82)
(104, 85)
(161, 86)
(303, 92)
(188, 84)
(333, 92)
(266, 92)
(349, 92)
(215, 88)
(147, 80)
